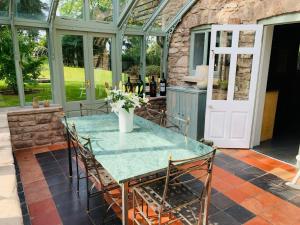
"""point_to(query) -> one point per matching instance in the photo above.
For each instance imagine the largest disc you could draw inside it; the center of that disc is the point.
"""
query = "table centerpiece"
(123, 104)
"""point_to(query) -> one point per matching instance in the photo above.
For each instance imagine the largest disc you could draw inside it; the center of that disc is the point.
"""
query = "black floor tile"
(100, 215)
(58, 179)
(20, 187)
(222, 202)
(49, 165)
(60, 188)
(46, 160)
(21, 197)
(24, 208)
(43, 155)
(26, 220)
(222, 218)
(52, 172)
(60, 154)
(239, 213)
(80, 218)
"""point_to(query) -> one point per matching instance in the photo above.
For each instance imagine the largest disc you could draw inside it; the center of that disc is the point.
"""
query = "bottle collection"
(149, 87)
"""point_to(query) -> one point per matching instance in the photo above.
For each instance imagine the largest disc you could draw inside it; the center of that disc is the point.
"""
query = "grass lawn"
(74, 81)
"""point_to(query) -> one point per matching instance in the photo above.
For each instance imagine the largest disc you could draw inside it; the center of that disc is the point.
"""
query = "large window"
(131, 53)
(70, 9)
(33, 9)
(33, 45)
(4, 6)
(101, 10)
(8, 79)
(199, 52)
(154, 56)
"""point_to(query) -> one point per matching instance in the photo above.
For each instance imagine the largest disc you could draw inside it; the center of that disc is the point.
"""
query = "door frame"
(266, 48)
(88, 65)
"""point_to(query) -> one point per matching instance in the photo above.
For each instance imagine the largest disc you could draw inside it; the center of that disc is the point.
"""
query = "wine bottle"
(163, 86)
(140, 87)
(147, 87)
(128, 86)
(152, 87)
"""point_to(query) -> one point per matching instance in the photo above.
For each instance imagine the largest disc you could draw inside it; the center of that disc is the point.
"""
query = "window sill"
(190, 79)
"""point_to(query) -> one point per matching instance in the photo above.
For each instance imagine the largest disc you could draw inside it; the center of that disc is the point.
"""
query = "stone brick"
(25, 118)
(22, 144)
(13, 124)
(12, 118)
(43, 118)
(27, 123)
(43, 141)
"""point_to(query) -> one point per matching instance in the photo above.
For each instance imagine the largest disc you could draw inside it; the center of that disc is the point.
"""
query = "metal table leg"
(125, 206)
(69, 156)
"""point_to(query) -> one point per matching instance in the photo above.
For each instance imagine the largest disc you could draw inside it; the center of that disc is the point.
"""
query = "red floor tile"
(257, 221)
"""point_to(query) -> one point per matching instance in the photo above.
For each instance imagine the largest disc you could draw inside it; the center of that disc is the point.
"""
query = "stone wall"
(36, 127)
(157, 104)
(206, 12)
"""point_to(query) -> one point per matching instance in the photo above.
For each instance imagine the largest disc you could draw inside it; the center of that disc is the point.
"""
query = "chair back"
(199, 167)
(176, 123)
(89, 109)
(155, 115)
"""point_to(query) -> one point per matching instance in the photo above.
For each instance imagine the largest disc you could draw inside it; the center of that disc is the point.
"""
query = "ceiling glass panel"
(4, 7)
(70, 9)
(101, 10)
(167, 15)
(122, 4)
(33, 9)
(142, 12)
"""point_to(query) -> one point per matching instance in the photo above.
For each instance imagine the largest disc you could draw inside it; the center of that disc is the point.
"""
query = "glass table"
(142, 152)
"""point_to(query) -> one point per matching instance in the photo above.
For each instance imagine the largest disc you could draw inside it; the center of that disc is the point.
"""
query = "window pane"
(247, 38)
(154, 56)
(224, 39)
(131, 51)
(4, 7)
(243, 76)
(122, 4)
(33, 9)
(33, 46)
(101, 10)
(102, 65)
(74, 73)
(221, 75)
(199, 43)
(70, 9)
(8, 81)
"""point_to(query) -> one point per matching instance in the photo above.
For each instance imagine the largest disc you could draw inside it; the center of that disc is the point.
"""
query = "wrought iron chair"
(154, 115)
(94, 172)
(176, 123)
(172, 197)
(88, 109)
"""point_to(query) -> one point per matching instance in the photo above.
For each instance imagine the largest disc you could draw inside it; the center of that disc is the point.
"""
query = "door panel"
(232, 81)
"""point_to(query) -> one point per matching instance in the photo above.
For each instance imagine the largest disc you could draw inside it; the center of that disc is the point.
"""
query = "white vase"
(126, 120)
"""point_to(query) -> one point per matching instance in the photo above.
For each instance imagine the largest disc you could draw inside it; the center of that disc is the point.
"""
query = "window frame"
(199, 30)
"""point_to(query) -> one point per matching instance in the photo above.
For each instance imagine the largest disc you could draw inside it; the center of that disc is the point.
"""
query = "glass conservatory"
(67, 51)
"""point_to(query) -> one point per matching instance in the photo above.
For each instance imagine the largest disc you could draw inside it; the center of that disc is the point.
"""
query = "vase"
(125, 120)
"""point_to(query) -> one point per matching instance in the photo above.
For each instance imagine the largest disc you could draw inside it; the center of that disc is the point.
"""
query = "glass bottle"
(153, 87)
(163, 86)
(140, 86)
(128, 86)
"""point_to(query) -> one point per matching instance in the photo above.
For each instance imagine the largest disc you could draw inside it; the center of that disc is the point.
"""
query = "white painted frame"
(233, 51)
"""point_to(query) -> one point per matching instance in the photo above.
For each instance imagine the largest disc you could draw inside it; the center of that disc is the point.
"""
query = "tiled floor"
(248, 188)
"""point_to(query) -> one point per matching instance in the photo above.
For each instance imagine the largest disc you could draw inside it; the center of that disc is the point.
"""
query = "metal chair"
(172, 197)
(88, 109)
(94, 172)
(176, 123)
(154, 115)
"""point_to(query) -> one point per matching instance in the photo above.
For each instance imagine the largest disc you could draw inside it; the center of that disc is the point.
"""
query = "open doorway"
(280, 135)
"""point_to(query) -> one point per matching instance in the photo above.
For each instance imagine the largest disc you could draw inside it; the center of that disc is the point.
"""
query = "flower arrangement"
(119, 99)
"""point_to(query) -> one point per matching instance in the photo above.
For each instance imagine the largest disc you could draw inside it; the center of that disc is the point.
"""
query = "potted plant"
(123, 104)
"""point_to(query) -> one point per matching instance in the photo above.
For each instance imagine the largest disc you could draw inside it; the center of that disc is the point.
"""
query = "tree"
(30, 65)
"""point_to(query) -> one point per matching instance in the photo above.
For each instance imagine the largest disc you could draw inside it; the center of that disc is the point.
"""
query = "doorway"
(86, 67)
(280, 135)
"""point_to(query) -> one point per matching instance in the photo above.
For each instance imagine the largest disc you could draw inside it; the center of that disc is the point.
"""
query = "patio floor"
(248, 188)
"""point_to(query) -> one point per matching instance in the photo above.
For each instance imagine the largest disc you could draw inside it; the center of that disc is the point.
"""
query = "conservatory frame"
(118, 27)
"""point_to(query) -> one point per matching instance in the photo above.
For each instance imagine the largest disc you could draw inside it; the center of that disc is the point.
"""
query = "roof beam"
(160, 7)
(126, 12)
(52, 12)
(180, 14)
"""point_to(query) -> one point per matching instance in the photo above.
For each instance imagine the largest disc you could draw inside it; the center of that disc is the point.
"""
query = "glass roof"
(33, 9)
(142, 12)
(168, 14)
(4, 6)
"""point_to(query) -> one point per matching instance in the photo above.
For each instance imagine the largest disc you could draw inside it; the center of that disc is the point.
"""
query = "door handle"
(87, 84)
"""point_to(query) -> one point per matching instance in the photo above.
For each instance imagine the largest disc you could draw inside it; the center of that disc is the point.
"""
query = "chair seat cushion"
(8, 182)
(10, 212)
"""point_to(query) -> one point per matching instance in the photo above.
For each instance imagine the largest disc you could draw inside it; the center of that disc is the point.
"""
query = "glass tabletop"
(143, 151)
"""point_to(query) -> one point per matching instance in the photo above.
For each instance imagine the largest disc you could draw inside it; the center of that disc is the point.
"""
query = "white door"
(232, 81)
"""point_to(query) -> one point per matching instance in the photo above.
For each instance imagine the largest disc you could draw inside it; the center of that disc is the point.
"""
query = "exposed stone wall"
(218, 12)
(157, 104)
(36, 127)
